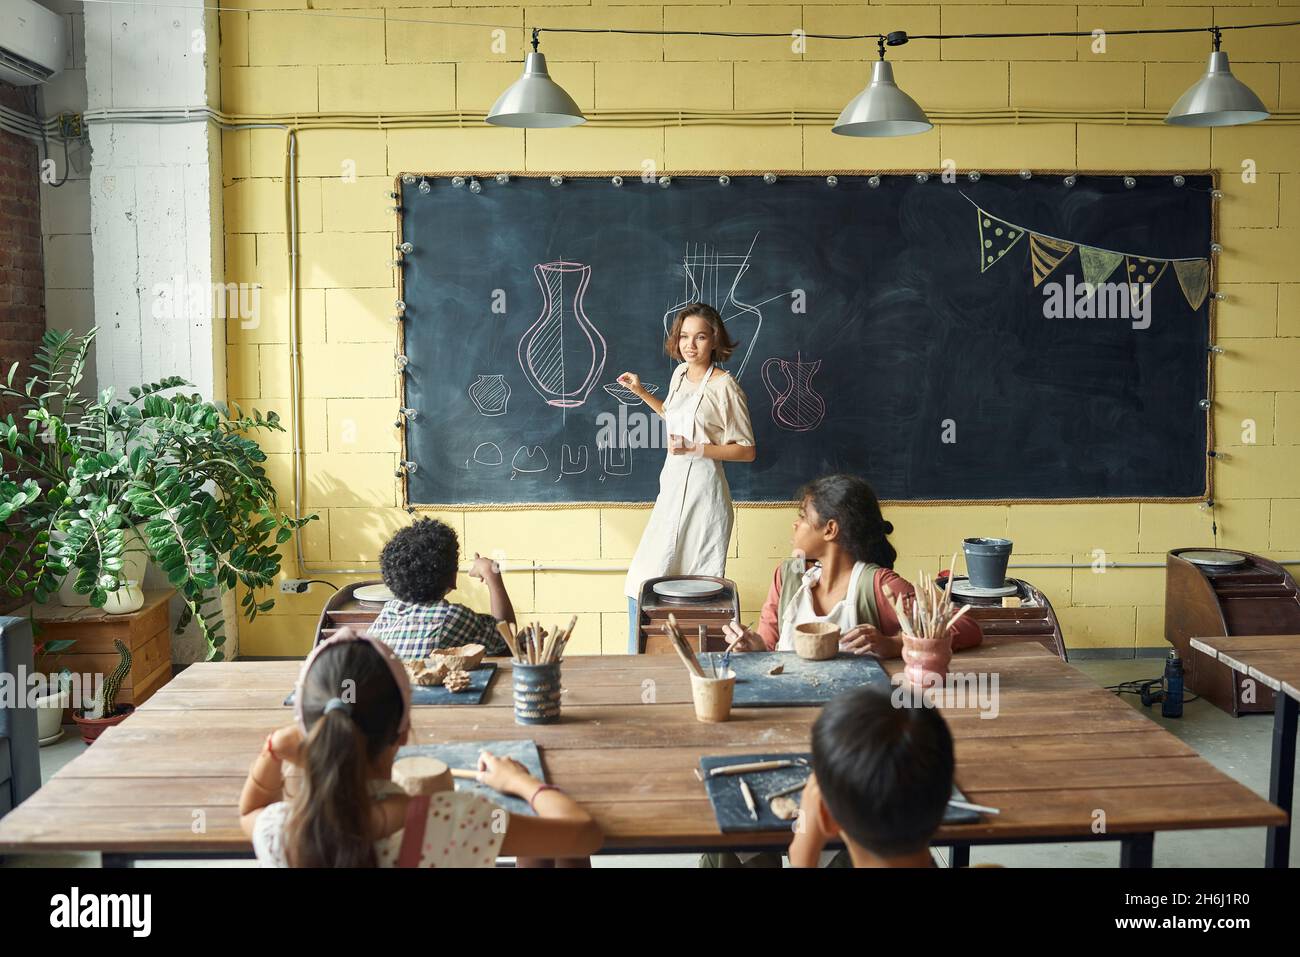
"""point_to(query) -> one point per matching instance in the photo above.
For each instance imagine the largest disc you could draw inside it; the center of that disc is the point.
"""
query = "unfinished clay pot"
(712, 697)
(464, 658)
(421, 775)
(817, 640)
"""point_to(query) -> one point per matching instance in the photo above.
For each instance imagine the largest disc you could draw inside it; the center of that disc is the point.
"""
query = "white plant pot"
(135, 560)
(128, 598)
(49, 717)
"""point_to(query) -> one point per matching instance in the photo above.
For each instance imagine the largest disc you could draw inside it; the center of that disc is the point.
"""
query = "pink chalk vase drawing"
(796, 406)
(490, 394)
(562, 354)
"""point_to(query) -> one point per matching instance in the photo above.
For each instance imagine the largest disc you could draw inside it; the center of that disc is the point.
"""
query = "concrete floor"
(1240, 747)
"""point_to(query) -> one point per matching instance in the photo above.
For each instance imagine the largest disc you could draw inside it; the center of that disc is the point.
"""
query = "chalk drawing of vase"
(562, 353)
(796, 406)
(490, 393)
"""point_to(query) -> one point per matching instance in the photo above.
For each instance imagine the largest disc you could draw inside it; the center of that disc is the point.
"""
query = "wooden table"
(1273, 661)
(1062, 749)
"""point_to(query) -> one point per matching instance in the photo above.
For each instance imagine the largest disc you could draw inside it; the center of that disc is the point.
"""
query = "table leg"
(1281, 778)
(117, 860)
(1136, 850)
(961, 855)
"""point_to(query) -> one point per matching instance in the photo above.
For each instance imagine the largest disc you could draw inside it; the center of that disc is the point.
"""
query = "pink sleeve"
(769, 629)
(965, 634)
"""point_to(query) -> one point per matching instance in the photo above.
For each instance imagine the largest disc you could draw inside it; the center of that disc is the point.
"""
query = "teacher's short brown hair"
(723, 344)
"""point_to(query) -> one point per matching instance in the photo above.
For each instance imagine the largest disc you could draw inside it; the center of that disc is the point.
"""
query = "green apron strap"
(867, 612)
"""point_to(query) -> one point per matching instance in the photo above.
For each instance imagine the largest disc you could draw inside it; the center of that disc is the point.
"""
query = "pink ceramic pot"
(925, 660)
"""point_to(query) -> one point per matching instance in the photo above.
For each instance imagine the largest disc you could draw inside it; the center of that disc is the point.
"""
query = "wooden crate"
(146, 632)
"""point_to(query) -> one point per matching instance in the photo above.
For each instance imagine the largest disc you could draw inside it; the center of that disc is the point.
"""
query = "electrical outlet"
(294, 586)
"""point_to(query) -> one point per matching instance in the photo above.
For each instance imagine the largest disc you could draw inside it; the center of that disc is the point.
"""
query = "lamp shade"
(882, 109)
(535, 100)
(1217, 99)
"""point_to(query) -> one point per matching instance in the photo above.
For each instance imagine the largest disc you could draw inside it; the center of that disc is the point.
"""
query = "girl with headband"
(353, 711)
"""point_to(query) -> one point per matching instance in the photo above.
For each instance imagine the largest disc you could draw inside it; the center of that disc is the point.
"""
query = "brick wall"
(22, 274)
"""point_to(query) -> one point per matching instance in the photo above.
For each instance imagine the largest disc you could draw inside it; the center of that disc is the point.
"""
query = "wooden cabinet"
(146, 632)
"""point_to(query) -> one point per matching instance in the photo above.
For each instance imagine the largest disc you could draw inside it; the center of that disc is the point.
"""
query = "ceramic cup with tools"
(537, 693)
(712, 696)
(817, 640)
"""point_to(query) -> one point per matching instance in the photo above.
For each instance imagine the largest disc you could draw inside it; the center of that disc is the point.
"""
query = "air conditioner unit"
(33, 42)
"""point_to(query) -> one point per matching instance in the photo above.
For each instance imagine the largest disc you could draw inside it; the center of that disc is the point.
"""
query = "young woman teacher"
(708, 424)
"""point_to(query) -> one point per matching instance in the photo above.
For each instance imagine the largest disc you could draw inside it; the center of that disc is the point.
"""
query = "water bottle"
(1172, 704)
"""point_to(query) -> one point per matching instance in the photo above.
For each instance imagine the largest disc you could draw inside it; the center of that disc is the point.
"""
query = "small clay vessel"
(817, 640)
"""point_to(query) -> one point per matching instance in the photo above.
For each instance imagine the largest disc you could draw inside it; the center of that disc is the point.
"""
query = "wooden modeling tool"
(748, 795)
(755, 766)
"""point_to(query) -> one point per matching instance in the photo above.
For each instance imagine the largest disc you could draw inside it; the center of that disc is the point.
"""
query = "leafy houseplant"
(81, 477)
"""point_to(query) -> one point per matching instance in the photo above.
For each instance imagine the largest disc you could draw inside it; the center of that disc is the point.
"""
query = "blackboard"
(932, 377)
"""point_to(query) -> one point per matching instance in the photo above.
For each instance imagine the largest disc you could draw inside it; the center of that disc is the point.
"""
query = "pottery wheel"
(1213, 559)
(965, 589)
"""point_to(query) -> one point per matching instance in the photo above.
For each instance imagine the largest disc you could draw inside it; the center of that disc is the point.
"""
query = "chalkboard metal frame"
(407, 177)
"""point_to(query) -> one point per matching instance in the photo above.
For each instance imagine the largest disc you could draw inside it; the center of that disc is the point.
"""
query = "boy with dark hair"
(419, 565)
(882, 777)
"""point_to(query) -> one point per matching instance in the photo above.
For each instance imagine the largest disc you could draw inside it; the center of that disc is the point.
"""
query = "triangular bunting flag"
(1194, 277)
(1143, 274)
(996, 237)
(1097, 264)
(1045, 254)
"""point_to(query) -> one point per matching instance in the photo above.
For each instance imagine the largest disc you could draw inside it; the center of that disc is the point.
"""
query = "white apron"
(690, 526)
(800, 610)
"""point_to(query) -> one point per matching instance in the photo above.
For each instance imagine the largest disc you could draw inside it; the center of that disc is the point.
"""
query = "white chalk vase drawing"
(490, 394)
(712, 277)
(796, 406)
(562, 354)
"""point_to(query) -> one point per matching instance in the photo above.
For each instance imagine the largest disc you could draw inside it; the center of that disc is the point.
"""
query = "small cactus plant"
(105, 704)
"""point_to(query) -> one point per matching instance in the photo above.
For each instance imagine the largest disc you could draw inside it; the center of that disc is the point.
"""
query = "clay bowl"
(421, 775)
(817, 640)
(464, 658)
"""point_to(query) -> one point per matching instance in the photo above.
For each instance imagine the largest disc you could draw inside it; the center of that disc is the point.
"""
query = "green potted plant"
(88, 485)
(104, 711)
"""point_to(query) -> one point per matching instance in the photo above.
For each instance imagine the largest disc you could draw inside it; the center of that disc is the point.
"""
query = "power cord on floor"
(1141, 685)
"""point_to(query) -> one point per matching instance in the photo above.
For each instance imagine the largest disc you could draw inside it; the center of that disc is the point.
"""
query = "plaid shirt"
(416, 630)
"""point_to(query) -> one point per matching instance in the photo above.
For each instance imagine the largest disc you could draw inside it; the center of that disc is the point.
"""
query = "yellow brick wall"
(272, 63)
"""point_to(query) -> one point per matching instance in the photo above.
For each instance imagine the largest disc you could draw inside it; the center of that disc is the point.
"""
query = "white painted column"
(155, 209)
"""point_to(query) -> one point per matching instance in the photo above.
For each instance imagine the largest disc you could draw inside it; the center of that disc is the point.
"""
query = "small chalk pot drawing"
(571, 464)
(490, 393)
(626, 395)
(615, 460)
(487, 453)
(528, 461)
